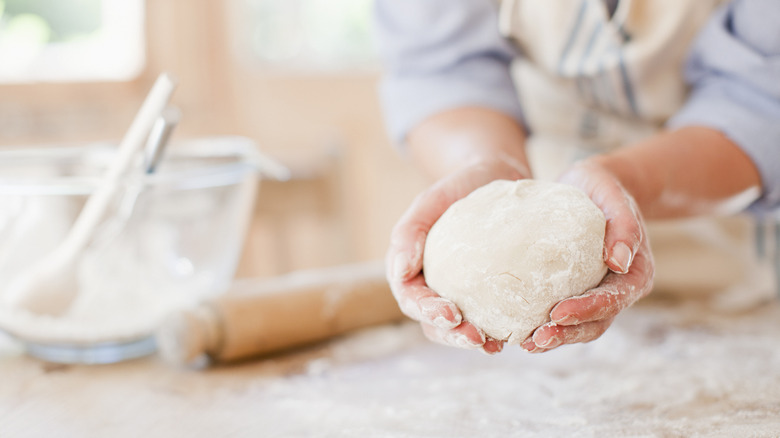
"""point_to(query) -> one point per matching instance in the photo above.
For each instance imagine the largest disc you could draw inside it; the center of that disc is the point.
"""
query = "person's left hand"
(626, 252)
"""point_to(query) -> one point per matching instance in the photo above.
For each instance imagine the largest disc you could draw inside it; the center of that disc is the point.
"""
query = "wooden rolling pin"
(260, 317)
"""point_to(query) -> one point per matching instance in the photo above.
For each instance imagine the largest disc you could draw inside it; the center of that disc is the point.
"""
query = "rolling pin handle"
(187, 336)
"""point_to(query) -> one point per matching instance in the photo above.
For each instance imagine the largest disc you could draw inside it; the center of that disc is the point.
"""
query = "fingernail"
(463, 341)
(492, 347)
(551, 342)
(442, 313)
(481, 338)
(401, 266)
(621, 257)
(567, 320)
(529, 346)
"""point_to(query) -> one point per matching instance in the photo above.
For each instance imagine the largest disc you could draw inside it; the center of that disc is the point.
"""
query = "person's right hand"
(441, 320)
(627, 254)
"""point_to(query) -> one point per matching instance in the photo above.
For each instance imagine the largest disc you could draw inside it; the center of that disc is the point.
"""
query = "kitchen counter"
(664, 369)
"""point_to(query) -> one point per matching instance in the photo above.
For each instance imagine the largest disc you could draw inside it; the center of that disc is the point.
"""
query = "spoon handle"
(98, 202)
(158, 139)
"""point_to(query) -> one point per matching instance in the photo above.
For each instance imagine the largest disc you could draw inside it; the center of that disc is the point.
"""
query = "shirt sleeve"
(734, 69)
(441, 54)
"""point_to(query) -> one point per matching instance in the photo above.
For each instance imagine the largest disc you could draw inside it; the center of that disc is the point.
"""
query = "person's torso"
(590, 81)
(598, 78)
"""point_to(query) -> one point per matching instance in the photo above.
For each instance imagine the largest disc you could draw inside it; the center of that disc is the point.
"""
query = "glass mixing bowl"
(169, 239)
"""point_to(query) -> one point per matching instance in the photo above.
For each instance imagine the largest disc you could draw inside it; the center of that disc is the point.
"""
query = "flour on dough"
(511, 250)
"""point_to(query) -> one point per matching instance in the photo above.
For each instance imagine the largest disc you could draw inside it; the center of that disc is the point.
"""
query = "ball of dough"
(509, 251)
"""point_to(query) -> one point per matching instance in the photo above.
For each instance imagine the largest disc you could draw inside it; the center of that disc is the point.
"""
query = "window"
(70, 40)
(306, 35)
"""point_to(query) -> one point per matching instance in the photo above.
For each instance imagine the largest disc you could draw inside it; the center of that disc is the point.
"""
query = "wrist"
(462, 137)
(688, 172)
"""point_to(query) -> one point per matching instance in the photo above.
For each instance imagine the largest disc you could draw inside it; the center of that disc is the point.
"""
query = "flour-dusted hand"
(441, 320)
(626, 252)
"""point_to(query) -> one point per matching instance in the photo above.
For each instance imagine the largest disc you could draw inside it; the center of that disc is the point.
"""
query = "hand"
(626, 252)
(441, 320)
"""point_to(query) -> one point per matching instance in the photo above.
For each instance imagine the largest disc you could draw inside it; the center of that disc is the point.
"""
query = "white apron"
(589, 82)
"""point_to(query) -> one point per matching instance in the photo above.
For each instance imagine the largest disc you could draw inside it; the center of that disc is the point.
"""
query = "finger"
(465, 336)
(623, 234)
(615, 293)
(551, 335)
(419, 302)
(493, 346)
(407, 240)
(531, 347)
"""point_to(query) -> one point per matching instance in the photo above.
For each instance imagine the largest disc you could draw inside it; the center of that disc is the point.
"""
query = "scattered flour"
(664, 369)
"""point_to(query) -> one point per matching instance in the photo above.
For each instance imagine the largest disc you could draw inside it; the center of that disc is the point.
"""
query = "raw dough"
(511, 250)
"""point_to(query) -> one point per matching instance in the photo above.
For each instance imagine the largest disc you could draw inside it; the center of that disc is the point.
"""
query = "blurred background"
(298, 77)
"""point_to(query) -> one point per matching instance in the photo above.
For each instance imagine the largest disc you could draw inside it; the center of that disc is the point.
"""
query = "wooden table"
(665, 369)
